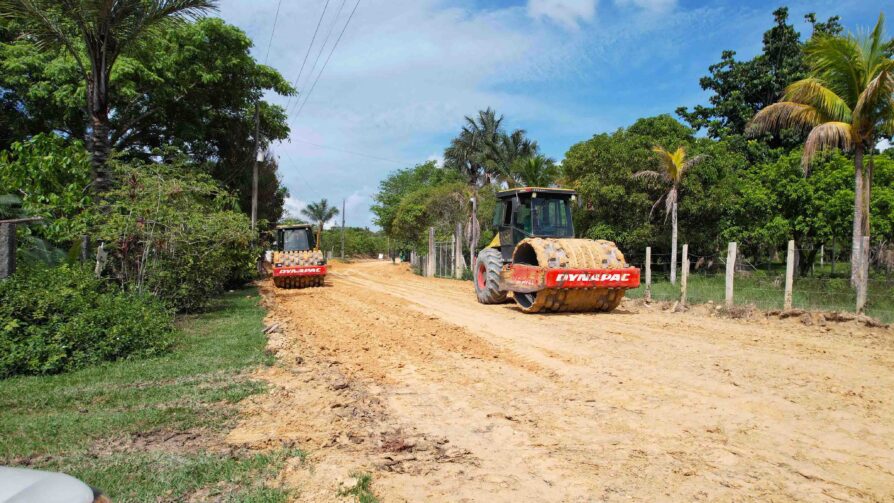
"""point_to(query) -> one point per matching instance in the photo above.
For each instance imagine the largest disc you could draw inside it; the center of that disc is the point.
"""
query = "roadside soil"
(440, 398)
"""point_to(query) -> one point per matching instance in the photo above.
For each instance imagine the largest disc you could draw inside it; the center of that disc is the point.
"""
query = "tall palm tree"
(846, 103)
(534, 171)
(468, 152)
(95, 33)
(321, 213)
(506, 150)
(673, 167)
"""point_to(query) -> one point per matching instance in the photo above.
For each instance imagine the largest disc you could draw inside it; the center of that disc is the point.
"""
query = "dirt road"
(443, 399)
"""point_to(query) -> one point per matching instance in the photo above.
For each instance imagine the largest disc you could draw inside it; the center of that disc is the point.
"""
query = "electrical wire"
(360, 154)
(309, 92)
(306, 54)
(323, 44)
(272, 32)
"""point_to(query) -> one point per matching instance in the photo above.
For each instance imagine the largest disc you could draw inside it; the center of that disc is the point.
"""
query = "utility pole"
(342, 229)
(254, 174)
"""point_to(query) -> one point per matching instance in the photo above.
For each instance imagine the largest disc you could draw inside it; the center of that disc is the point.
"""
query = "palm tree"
(95, 33)
(534, 171)
(846, 102)
(468, 152)
(673, 167)
(501, 154)
(321, 213)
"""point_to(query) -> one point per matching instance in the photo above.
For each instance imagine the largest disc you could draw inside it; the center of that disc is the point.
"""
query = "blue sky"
(406, 72)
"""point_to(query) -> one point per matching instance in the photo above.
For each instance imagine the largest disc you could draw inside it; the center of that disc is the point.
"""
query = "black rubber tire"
(487, 277)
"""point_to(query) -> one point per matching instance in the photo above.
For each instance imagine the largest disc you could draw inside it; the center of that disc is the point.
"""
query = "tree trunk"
(858, 213)
(474, 230)
(99, 144)
(673, 271)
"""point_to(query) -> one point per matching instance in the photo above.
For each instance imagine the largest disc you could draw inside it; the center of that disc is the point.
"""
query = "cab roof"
(503, 194)
(294, 226)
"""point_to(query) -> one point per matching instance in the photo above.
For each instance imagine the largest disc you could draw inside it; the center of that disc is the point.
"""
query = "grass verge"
(152, 430)
(361, 492)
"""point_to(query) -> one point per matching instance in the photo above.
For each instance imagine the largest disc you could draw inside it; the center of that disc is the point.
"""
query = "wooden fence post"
(863, 275)
(789, 275)
(458, 261)
(431, 253)
(730, 273)
(7, 250)
(648, 293)
(684, 276)
(822, 256)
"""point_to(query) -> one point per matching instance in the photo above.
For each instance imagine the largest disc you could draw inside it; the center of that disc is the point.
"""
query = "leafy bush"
(174, 233)
(63, 318)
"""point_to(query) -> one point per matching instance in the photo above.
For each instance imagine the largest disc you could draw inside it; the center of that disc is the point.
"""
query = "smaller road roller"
(535, 259)
(297, 262)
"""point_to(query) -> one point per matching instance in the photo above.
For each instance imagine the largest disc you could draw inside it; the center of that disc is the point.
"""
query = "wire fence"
(821, 281)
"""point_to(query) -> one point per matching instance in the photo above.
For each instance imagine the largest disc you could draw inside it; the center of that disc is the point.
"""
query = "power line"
(272, 32)
(326, 40)
(360, 154)
(306, 54)
(327, 59)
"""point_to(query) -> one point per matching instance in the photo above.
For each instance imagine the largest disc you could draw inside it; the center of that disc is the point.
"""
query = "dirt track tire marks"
(442, 398)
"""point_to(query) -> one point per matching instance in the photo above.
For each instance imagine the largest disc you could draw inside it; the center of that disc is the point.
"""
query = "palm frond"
(877, 96)
(693, 161)
(838, 62)
(825, 137)
(811, 91)
(784, 115)
(650, 175)
(669, 201)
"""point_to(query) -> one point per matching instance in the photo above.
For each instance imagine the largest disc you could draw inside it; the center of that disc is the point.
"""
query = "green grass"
(361, 491)
(767, 291)
(84, 423)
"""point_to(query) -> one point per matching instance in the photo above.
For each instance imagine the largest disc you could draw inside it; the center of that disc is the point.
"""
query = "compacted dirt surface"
(439, 398)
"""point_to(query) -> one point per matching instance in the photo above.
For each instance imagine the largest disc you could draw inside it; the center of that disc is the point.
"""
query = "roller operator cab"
(297, 262)
(535, 259)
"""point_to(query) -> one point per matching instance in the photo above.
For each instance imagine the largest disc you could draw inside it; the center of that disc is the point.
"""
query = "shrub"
(63, 318)
(175, 234)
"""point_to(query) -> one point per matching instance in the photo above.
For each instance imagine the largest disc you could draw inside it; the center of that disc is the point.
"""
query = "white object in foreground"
(21, 485)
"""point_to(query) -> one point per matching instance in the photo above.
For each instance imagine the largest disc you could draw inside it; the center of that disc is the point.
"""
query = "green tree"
(616, 206)
(673, 167)
(741, 88)
(534, 171)
(191, 88)
(95, 33)
(320, 212)
(846, 103)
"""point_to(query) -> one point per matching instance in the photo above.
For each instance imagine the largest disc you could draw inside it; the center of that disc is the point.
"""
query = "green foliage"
(399, 185)
(741, 88)
(536, 171)
(51, 176)
(59, 319)
(191, 86)
(174, 234)
(320, 213)
(55, 422)
(616, 206)
(359, 242)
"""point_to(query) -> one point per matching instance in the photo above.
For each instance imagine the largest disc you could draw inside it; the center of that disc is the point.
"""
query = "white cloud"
(293, 207)
(569, 13)
(883, 145)
(652, 6)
